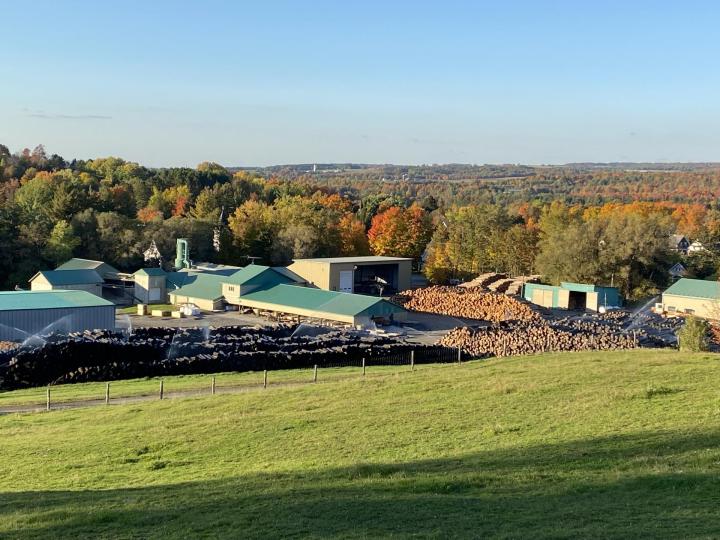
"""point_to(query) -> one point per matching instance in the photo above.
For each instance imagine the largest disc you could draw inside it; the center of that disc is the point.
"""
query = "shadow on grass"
(662, 484)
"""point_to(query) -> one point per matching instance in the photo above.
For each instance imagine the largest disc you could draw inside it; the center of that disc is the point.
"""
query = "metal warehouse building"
(24, 313)
(571, 295)
(366, 275)
(692, 297)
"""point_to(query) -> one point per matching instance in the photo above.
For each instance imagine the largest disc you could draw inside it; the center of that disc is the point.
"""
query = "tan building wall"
(41, 284)
(232, 293)
(542, 298)
(702, 307)
(206, 305)
(317, 274)
(145, 285)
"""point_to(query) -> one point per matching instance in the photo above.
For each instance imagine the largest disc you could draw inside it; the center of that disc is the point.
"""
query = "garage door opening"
(577, 300)
(376, 279)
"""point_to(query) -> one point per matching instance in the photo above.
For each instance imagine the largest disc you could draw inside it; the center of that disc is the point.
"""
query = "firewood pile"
(521, 337)
(470, 303)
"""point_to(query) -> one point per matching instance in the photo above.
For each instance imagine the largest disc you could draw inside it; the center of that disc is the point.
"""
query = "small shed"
(570, 295)
(24, 313)
(150, 285)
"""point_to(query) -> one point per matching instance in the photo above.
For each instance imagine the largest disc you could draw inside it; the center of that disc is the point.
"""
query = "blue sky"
(176, 83)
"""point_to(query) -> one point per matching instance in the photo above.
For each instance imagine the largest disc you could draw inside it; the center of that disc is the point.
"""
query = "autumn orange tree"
(400, 232)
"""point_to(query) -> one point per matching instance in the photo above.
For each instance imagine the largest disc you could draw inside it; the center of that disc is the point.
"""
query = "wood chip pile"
(471, 303)
(515, 338)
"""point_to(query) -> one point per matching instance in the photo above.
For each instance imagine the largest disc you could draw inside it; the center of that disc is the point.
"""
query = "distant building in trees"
(679, 243)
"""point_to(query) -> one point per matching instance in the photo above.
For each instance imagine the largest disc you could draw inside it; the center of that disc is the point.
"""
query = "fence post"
(47, 405)
(459, 358)
(107, 393)
(315, 373)
(212, 386)
(363, 365)
(265, 378)
(412, 360)
(162, 389)
(634, 338)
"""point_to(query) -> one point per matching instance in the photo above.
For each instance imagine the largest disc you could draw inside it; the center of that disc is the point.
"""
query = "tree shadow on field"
(660, 484)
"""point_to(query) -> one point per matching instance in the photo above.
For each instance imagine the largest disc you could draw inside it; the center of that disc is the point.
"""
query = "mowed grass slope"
(611, 445)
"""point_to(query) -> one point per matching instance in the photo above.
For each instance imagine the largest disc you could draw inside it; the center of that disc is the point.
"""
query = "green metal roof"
(245, 274)
(698, 288)
(338, 303)
(356, 260)
(204, 286)
(583, 287)
(154, 272)
(70, 277)
(87, 264)
(23, 300)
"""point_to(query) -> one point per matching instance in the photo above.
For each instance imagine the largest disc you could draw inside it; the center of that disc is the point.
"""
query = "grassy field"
(183, 383)
(610, 445)
(132, 310)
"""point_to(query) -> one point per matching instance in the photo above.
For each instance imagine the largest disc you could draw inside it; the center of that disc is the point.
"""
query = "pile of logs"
(470, 303)
(484, 280)
(515, 338)
(501, 285)
(103, 355)
(7, 345)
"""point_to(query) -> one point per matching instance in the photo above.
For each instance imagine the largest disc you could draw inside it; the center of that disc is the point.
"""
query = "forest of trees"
(566, 226)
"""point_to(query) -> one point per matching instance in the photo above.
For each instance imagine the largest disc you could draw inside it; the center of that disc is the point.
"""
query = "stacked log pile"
(7, 345)
(483, 281)
(518, 337)
(470, 303)
(103, 355)
(501, 285)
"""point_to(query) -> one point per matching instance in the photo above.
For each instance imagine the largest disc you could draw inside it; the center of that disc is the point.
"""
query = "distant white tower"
(315, 168)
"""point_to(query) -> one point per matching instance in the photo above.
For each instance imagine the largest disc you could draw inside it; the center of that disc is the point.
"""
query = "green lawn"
(132, 310)
(607, 445)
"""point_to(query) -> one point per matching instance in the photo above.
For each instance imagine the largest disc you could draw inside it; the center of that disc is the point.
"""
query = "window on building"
(671, 308)
(690, 311)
